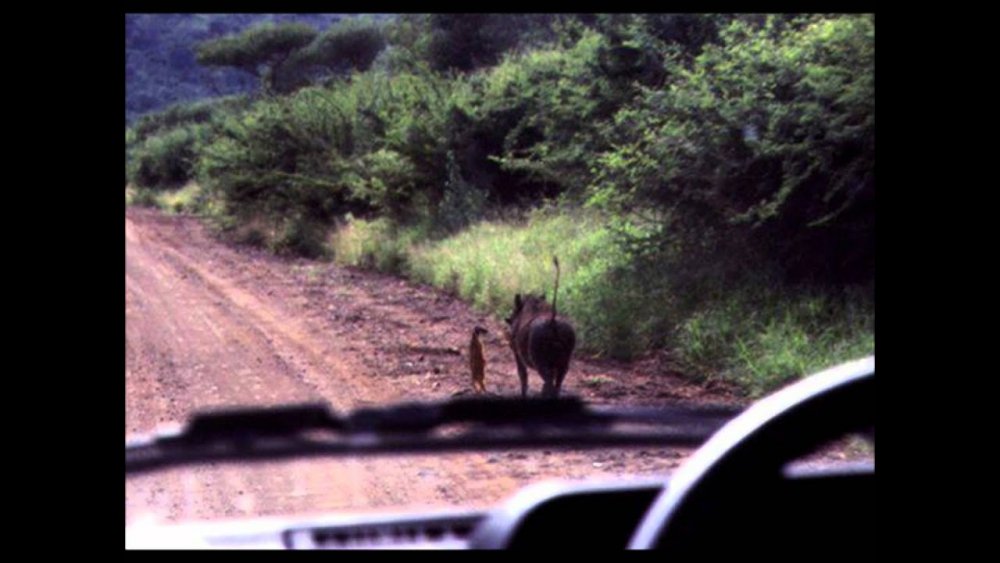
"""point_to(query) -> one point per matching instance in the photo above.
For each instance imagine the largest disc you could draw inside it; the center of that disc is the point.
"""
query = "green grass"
(754, 332)
(376, 244)
(492, 261)
(190, 198)
(762, 338)
(488, 263)
(185, 200)
(140, 197)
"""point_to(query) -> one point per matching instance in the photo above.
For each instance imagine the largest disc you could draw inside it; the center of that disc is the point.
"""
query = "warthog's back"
(549, 343)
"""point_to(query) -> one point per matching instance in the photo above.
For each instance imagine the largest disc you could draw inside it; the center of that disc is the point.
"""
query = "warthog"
(541, 340)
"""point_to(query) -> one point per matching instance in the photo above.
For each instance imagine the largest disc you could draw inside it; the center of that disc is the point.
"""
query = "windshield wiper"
(459, 424)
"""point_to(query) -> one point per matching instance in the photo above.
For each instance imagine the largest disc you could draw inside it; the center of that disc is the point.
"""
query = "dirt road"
(209, 325)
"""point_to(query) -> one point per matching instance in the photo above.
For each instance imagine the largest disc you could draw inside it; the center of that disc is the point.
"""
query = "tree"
(465, 42)
(263, 51)
(350, 44)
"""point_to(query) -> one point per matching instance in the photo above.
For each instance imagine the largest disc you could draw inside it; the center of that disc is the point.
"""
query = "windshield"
(636, 210)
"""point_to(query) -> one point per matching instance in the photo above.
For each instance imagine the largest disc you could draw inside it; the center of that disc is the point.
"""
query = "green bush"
(279, 160)
(352, 43)
(761, 337)
(189, 199)
(184, 114)
(165, 161)
(374, 143)
(403, 124)
(543, 111)
(302, 236)
(463, 42)
(377, 244)
(265, 50)
(767, 137)
(141, 197)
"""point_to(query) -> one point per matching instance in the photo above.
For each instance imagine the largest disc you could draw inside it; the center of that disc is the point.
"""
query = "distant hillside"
(160, 66)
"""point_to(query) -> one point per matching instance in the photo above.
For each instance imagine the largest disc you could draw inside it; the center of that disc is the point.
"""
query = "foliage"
(351, 44)
(279, 163)
(466, 42)
(189, 199)
(164, 161)
(403, 139)
(768, 138)
(764, 336)
(535, 121)
(379, 244)
(262, 51)
(375, 143)
(408, 42)
(181, 114)
(141, 197)
(162, 149)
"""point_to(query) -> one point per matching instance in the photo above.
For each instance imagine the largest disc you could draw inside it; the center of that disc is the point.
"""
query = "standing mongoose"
(477, 360)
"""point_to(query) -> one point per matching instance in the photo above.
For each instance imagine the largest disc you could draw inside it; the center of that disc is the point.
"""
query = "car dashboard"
(440, 530)
(598, 514)
(747, 483)
(549, 508)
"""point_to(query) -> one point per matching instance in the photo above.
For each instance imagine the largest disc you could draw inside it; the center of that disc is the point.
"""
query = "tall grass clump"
(763, 337)
(189, 199)
(490, 262)
(377, 244)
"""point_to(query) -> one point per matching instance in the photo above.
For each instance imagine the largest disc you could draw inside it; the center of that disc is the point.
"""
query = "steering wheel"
(735, 492)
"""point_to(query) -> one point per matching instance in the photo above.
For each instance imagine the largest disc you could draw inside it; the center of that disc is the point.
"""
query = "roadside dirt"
(209, 325)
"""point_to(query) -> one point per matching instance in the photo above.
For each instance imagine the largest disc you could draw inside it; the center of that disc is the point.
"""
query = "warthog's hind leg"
(522, 373)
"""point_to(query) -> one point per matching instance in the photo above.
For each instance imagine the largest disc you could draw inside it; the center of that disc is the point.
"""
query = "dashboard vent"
(432, 533)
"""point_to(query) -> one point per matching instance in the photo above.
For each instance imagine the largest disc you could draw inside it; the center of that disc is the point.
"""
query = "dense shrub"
(767, 138)
(541, 113)
(165, 161)
(184, 114)
(351, 44)
(761, 336)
